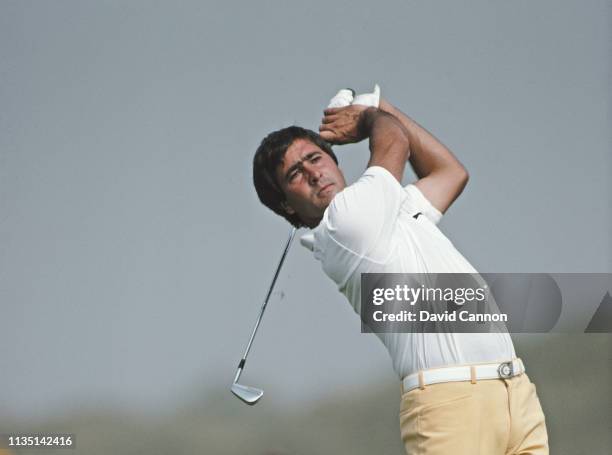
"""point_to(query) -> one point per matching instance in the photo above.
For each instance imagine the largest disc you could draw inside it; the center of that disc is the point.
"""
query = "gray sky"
(134, 254)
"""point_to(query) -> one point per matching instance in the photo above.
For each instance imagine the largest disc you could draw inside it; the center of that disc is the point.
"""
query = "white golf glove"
(343, 98)
(346, 96)
(368, 99)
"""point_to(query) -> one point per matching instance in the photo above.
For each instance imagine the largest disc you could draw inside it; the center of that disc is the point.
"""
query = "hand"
(343, 125)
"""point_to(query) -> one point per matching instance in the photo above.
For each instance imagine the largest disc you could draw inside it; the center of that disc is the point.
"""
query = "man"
(462, 393)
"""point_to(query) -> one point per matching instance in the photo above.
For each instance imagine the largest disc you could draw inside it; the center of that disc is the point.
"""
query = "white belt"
(473, 373)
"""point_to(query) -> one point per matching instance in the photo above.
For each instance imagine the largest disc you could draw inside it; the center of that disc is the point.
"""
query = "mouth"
(325, 188)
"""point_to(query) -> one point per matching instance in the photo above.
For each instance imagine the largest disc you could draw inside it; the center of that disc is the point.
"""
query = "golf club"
(250, 395)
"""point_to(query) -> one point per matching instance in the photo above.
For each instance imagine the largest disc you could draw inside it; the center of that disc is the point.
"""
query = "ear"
(287, 208)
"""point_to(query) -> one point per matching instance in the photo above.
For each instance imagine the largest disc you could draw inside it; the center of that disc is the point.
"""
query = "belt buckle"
(505, 370)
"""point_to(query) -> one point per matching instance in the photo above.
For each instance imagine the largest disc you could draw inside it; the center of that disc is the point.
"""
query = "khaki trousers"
(488, 417)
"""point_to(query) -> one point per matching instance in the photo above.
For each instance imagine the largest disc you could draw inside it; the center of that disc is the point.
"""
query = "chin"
(327, 198)
(333, 192)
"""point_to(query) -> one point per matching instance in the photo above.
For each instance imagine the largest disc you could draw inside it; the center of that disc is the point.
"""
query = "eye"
(293, 175)
(315, 158)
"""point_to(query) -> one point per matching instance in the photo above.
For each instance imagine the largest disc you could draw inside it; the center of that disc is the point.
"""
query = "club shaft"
(263, 307)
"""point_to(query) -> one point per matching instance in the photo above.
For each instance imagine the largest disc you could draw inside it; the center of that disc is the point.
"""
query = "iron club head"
(250, 395)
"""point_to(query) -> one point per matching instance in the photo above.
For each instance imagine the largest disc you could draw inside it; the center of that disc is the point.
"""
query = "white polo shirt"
(369, 227)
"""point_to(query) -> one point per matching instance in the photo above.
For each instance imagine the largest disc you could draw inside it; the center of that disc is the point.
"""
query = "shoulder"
(363, 214)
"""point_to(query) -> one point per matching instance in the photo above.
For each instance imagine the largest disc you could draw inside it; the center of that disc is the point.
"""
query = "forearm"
(389, 141)
(442, 177)
(427, 154)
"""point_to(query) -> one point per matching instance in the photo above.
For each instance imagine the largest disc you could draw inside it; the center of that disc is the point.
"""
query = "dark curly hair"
(269, 155)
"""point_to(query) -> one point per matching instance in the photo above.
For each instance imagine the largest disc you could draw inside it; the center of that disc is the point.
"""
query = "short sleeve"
(362, 217)
(420, 203)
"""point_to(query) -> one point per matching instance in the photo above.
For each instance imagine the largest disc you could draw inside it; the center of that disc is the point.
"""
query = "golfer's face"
(310, 179)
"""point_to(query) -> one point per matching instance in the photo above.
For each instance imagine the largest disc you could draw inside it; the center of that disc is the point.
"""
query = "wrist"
(367, 119)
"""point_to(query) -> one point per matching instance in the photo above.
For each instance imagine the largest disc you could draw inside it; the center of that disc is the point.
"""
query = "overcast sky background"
(134, 254)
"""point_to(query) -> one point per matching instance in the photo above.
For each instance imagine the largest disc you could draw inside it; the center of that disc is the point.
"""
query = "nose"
(314, 174)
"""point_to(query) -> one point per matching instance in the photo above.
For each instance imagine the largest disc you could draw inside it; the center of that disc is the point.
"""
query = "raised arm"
(442, 177)
(389, 139)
